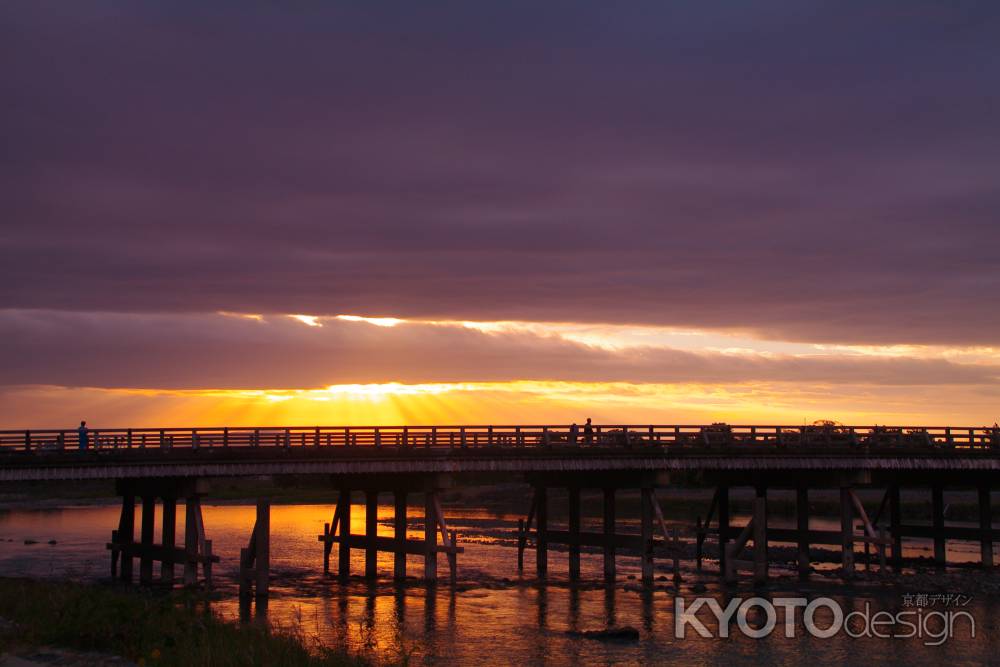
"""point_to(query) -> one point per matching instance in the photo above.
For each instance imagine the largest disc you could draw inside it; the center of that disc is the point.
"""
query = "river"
(494, 615)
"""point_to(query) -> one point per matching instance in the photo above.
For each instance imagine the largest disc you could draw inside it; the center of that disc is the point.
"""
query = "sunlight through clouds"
(308, 320)
(377, 321)
(498, 403)
(359, 369)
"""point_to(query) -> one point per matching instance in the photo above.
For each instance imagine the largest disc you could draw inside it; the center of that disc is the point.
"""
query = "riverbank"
(679, 503)
(145, 628)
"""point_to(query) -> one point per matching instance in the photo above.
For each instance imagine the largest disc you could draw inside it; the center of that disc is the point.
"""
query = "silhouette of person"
(574, 432)
(83, 436)
(588, 433)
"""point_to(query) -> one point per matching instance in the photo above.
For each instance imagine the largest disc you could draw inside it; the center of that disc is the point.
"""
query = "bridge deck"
(169, 452)
(468, 436)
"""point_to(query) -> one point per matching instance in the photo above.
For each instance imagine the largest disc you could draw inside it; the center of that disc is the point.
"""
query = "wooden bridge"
(171, 464)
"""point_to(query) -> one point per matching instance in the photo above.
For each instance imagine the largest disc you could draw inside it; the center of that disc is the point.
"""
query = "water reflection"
(609, 605)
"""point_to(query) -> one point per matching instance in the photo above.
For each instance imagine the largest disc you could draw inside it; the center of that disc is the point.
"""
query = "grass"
(148, 628)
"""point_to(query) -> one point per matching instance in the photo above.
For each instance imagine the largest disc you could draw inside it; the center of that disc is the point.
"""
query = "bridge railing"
(506, 436)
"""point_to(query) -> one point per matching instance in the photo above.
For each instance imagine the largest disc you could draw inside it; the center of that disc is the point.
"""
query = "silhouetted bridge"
(174, 463)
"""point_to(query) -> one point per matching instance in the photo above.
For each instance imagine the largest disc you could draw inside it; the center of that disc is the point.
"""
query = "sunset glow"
(497, 403)
(354, 369)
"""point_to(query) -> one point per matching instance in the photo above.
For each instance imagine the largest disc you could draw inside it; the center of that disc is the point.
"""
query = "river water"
(494, 615)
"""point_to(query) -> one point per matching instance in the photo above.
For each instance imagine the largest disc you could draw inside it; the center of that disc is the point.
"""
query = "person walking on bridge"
(588, 433)
(83, 436)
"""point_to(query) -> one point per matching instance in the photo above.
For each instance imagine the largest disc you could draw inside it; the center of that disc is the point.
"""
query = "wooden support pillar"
(937, 503)
(146, 538)
(733, 550)
(523, 527)
(609, 534)
(449, 538)
(574, 532)
(115, 553)
(344, 547)
(802, 518)
(985, 525)
(723, 495)
(399, 535)
(327, 544)
(330, 530)
(646, 533)
(453, 555)
(760, 536)
(846, 533)
(126, 534)
(255, 558)
(430, 537)
(701, 530)
(262, 533)
(191, 511)
(522, 533)
(246, 573)
(670, 538)
(206, 564)
(371, 533)
(895, 521)
(169, 535)
(541, 531)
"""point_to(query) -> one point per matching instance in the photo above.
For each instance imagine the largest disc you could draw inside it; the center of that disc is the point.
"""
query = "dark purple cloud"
(807, 170)
(216, 352)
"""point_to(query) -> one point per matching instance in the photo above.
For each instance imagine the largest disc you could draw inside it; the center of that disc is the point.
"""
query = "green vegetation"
(147, 628)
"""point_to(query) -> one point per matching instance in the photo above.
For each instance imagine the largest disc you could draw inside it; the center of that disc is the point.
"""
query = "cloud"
(800, 170)
(280, 352)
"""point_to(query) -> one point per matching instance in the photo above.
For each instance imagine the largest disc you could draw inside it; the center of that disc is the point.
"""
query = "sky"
(247, 213)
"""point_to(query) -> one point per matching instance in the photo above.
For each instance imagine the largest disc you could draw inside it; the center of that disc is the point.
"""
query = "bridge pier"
(255, 558)
(802, 523)
(985, 525)
(146, 532)
(371, 534)
(724, 528)
(760, 565)
(756, 530)
(574, 533)
(895, 521)
(846, 533)
(884, 530)
(344, 548)
(937, 510)
(430, 537)
(399, 533)
(341, 527)
(169, 539)
(124, 549)
(197, 548)
(542, 534)
(644, 544)
(609, 533)
(125, 535)
(646, 532)
(339, 531)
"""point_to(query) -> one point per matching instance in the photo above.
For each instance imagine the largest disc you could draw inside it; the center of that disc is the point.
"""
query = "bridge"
(169, 464)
